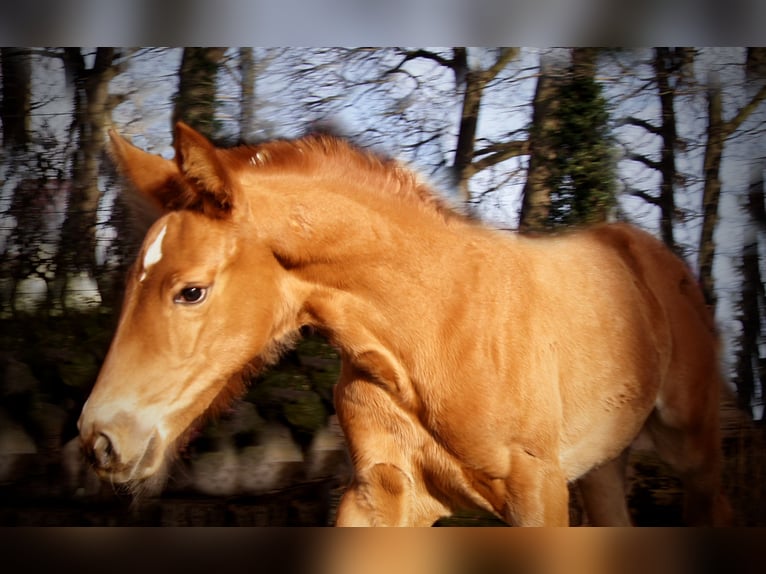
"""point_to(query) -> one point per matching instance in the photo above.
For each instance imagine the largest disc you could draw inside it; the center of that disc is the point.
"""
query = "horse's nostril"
(103, 451)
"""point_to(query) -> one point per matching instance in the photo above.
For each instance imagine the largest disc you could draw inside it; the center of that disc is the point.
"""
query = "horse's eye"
(190, 295)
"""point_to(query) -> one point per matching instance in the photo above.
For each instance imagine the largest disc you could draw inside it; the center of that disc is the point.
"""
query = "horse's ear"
(152, 175)
(200, 165)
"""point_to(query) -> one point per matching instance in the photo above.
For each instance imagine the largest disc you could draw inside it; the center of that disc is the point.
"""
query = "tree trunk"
(663, 70)
(671, 66)
(469, 119)
(475, 81)
(711, 191)
(584, 62)
(92, 109)
(247, 98)
(16, 96)
(755, 66)
(195, 101)
(536, 201)
(468, 161)
(750, 365)
(717, 133)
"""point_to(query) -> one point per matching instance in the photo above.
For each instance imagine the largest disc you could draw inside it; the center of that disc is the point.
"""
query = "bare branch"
(633, 121)
(731, 126)
(500, 153)
(426, 54)
(643, 195)
(492, 147)
(643, 159)
(505, 57)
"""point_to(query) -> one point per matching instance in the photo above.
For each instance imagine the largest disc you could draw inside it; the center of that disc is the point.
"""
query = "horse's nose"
(118, 447)
(102, 450)
(104, 453)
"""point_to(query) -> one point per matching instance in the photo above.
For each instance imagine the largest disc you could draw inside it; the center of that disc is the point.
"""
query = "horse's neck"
(367, 270)
(308, 221)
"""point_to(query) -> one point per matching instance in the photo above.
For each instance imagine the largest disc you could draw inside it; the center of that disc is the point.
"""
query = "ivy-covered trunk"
(195, 102)
(571, 178)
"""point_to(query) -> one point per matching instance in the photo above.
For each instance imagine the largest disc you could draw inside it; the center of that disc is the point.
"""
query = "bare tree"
(16, 96)
(471, 84)
(718, 131)
(670, 67)
(750, 364)
(475, 82)
(91, 115)
(751, 367)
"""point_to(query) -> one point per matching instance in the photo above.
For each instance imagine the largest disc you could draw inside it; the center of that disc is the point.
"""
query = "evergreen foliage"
(582, 181)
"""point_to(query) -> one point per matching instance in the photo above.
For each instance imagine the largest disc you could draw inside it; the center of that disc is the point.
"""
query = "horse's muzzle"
(117, 451)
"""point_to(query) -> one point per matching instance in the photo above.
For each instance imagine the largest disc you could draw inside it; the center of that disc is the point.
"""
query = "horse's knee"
(378, 497)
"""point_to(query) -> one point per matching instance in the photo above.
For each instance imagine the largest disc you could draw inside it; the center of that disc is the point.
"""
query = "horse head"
(202, 305)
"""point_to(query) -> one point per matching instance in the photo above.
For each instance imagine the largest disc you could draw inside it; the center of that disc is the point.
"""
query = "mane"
(323, 155)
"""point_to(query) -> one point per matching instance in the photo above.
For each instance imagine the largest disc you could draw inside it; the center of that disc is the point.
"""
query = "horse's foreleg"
(603, 491)
(537, 493)
(383, 495)
(385, 442)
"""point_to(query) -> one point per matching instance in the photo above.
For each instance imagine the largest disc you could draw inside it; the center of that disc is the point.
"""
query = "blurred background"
(530, 139)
